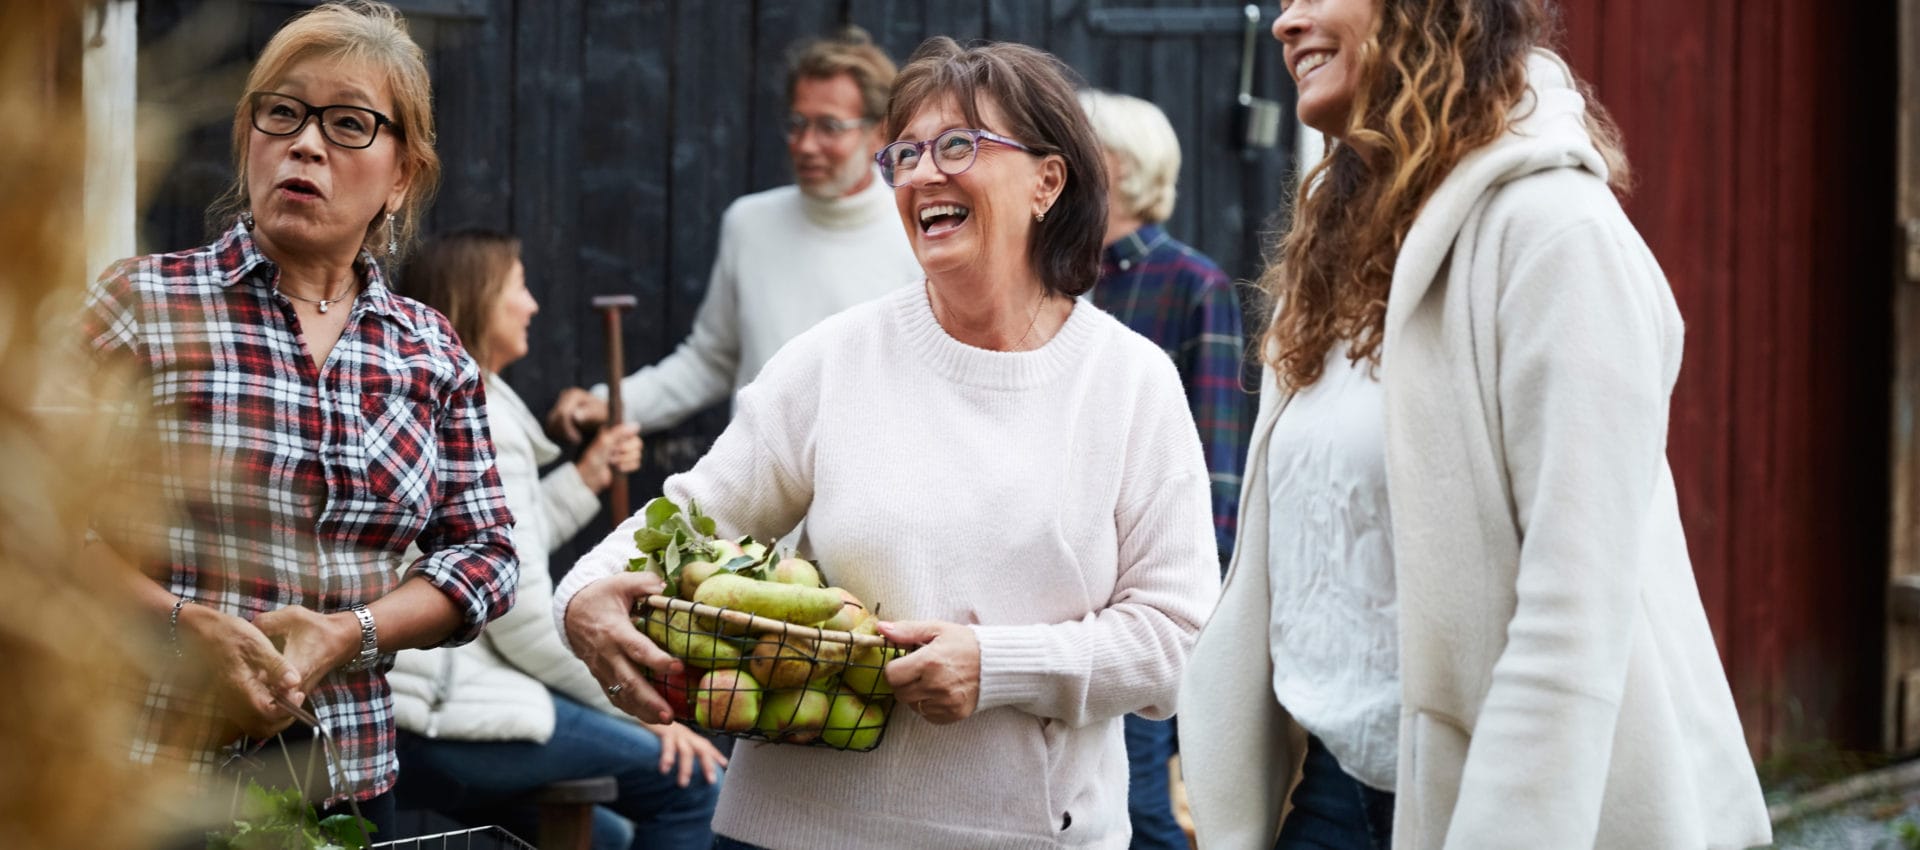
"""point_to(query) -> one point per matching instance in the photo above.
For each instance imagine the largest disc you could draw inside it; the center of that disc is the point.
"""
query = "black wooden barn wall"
(610, 135)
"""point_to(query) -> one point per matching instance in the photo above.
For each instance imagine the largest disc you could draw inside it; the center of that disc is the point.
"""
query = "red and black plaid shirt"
(284, 483)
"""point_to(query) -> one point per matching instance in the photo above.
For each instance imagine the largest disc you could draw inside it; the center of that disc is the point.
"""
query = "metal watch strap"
(369, 642)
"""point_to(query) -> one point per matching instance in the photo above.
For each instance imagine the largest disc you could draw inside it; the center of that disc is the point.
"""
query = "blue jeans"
(470, 780)
(1149, 799)
(1334, 811)
(721, 842)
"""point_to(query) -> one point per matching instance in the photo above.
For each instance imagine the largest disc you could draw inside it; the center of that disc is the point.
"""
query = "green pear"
(853, 724)
(727, 701)
(692, 639)
(791, 662)
(866, 673)
(796, 571)
(850, 615)
(794, 716)
(692, 573)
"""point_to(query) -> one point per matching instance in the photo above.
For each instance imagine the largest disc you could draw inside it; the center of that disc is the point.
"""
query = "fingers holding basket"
(940, 680)
(599, 625)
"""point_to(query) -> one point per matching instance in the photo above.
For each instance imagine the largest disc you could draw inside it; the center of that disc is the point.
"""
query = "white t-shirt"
(1335, 628)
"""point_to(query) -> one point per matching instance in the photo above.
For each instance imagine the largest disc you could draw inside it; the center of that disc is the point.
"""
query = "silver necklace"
(323, 302)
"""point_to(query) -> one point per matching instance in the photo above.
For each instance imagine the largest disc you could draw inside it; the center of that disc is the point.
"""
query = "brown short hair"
(461, 274)
(849, 51)
(1034, 91)
(362, 30)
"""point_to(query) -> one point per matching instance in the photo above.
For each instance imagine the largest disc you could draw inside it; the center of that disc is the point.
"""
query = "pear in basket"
(853, 724)
(794, 716)
(792, 662)
(727, 701)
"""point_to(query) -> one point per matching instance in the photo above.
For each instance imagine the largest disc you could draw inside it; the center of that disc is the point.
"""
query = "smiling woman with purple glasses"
(1010, 473)
(306, 423)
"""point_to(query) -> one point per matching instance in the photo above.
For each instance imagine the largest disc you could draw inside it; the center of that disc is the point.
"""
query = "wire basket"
(482, 838)
(763, 679)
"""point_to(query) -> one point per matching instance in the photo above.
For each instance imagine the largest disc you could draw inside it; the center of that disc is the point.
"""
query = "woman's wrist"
(347, 639)
(593, 472)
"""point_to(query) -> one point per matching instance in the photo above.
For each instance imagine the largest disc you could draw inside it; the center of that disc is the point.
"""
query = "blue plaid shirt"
(1175, 296)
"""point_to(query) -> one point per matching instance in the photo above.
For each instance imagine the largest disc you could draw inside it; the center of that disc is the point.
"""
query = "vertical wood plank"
(625, 146)
(962, 22)
(548, 100)
(779, 25)
(898, 27)
(1024, 21)
(713, 148)
(473, 66)
(1903, 641)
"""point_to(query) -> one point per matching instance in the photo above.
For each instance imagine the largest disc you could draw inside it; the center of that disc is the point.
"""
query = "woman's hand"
(615, 449)
(247, 673)
(575, 410)
(941, 680)
(681, 746)
(599, 627)
(313, 643)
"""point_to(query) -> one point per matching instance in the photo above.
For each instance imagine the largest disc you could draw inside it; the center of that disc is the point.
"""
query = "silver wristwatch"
(369, 642)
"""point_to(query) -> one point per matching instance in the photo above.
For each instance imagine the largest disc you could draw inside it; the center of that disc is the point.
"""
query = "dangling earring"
(393, 237)
(1039, 216)
(246, 218)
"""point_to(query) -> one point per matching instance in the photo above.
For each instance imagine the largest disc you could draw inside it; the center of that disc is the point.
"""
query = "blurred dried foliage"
(70, 643)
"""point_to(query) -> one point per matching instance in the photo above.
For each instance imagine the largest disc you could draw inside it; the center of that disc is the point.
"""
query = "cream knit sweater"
(1055, 500)
(785, 261)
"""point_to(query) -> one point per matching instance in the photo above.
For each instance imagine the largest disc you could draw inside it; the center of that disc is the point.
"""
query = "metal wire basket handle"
(765, 625)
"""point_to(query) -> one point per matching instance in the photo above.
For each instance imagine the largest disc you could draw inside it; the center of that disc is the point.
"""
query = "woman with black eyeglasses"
(1012, 475)
(304, 424)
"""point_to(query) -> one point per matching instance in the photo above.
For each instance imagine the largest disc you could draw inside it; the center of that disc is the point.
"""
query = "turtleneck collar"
(853, 211)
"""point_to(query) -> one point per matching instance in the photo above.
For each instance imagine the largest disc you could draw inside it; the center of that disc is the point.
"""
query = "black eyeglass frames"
(352, 127)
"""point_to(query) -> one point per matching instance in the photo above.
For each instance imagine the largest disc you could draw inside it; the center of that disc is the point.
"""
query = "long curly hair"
(1439, 79)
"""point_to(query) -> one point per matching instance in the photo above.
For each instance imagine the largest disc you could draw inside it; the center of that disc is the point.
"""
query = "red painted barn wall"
(1762, 136)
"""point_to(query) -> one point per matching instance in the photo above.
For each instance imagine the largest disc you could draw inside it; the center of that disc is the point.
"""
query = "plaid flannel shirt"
(1176, 297)
(289, 484)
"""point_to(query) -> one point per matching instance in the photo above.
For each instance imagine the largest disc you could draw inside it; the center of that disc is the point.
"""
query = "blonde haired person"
(1462, 570)
(1178, 298)
(310, 424)
(788, 257)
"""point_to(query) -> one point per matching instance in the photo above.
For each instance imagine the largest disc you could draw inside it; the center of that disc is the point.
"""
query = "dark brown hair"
(1439, 79)
(852, 52)
(461, 274)
(1033, 90)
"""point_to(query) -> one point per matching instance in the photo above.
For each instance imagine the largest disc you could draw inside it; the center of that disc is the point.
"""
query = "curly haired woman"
(1461, 572)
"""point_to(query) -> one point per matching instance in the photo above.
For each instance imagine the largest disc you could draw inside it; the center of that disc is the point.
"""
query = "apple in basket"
(676, 688)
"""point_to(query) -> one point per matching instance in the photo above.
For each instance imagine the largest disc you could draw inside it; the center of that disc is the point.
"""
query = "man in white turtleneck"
(788, 257)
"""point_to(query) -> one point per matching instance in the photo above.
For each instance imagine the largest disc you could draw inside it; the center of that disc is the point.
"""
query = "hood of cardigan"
(1549, 131)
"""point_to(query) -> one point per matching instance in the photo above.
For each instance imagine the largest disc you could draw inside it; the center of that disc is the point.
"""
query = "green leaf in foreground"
(659, 510)
(651, 540)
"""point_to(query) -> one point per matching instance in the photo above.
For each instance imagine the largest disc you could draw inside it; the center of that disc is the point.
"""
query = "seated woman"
(513, 711)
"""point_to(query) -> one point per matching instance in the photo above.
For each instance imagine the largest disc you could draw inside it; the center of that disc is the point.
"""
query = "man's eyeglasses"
(353, 127)
(953, 153)
(828, 128)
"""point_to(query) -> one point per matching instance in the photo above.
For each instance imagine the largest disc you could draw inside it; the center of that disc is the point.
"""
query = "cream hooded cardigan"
(1560, 686)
